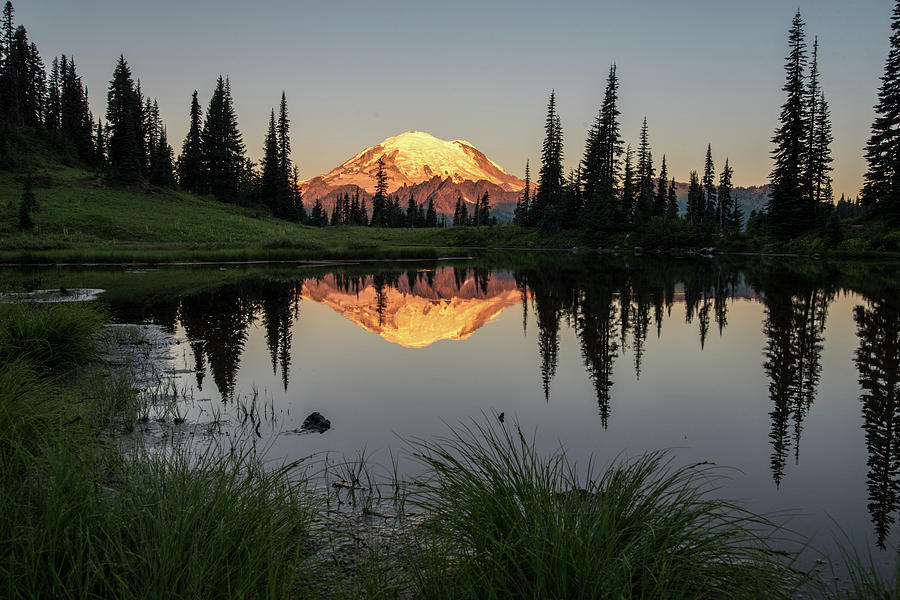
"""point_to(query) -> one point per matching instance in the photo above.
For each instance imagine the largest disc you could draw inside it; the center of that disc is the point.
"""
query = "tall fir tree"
(222, 146)
(671, 202)
(662, 188)
(819, 196)
(710, 214)
(812, 105)
(190, 163)
(549, 197)
(271, 167)
(523, 205)
(431, 215)
(161, 163)
(283, 206)
(124, 118)
(645, 189)
(822, 192)
(411, 210)
(786, 204)
(629, 189)
(695, 203)
(602, 162)
(380, 200)
(76, 121)
(881, 192)
(729, 211)
(53, 111)
(483, 210)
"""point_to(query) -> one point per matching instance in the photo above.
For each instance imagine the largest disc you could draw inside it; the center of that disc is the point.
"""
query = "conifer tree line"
(615, 189)
(481, 212)
(386, 209)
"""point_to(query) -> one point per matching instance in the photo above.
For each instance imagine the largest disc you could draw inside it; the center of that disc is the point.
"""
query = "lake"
(785, 370)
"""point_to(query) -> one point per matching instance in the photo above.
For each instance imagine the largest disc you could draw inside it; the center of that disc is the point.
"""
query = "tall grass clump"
(509, 523)
(49, 336)
(161, 525)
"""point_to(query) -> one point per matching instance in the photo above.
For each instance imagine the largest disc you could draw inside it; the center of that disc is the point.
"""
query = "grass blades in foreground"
(512, 524)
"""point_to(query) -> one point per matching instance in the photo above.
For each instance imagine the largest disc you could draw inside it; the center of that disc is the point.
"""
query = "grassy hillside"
(80, 217)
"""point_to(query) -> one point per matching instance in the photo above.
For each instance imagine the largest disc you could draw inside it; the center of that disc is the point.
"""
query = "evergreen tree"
(100, 147)
(222, 146)
(881, 192)
(671, 202)
(729, 211)
(645, 192)
(318, 218)
(76, 121)
(549, 198)
(819, 196)
(523, 205)
(411, 210)
(812, 105)
(335, 214)
(602, 162)
(283, 205)
(161, 167)
(431, 215)
(190, 163)
(694, 200)
(124, 118)
(710, 215)
(356, 210)
(629, 191)
(662, 188)
(421, 216)
(53, 111)
(380, 200)
(786, 205)
(271, 167)
(483, 210)
(823, 193)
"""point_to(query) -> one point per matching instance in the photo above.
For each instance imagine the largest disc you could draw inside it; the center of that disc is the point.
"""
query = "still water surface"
(786, 372)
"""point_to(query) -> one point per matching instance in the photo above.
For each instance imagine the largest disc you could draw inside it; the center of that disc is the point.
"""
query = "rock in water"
(316, 422)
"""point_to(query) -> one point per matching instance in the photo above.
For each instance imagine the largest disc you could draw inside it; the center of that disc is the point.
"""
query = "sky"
(701, 71)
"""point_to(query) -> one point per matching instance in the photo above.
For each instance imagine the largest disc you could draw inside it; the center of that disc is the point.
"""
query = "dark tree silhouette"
(881, 192)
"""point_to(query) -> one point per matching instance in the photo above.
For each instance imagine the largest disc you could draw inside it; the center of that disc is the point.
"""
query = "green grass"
(55, 337)
(510, 523)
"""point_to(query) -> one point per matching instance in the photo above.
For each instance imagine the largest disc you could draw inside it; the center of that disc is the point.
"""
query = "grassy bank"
(82, 518)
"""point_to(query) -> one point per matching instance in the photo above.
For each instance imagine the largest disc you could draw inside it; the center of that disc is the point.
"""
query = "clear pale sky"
(702, 71)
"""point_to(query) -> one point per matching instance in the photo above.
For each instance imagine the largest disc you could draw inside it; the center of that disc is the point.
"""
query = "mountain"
(420, 164)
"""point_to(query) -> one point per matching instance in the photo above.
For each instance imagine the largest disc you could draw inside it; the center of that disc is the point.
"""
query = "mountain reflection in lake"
(788, 373)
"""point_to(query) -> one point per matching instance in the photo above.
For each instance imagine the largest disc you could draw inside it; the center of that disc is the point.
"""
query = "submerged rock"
(316, 422)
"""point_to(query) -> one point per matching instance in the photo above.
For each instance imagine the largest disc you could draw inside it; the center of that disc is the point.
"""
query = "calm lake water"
(786, 371)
